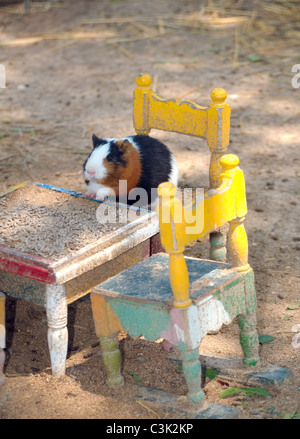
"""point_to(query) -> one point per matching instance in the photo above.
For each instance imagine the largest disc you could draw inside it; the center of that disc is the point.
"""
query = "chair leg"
(247, 323)
(249, 338)
(107, 327)
(217, 246)
(112, 359)
(192, 372)
(2, 337)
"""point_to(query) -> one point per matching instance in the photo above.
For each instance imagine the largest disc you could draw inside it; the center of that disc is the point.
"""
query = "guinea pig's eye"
(109, 157)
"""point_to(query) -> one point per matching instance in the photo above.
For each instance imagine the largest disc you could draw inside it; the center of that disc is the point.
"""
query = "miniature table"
(67, 275)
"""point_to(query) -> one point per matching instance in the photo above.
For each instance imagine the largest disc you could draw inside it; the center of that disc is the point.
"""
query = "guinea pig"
(140, 161)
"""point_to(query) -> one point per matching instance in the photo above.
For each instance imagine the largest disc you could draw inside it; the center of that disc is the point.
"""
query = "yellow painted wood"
(179, 280)
(172, 228)
(173, 239)
(181, 225)
(217, 207)
(217, 133)
(186, 117)
(106, 321)
(238, 244)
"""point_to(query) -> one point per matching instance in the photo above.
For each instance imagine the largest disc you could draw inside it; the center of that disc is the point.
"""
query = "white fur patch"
(104, 192)
(173, 177)
(94, 163)
(130, 140)
(92, 188)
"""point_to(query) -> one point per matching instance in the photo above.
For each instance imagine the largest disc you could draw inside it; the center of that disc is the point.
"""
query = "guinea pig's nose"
(91, 172)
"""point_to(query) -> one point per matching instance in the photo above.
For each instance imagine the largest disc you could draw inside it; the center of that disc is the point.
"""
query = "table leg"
(57, 316)
(2, 337)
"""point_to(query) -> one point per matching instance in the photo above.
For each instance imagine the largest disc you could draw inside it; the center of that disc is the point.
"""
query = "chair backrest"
(180, 224)
(186, 117)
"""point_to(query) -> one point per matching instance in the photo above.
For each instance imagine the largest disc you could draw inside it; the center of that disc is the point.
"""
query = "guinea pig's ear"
(123, 145)
(96, 140)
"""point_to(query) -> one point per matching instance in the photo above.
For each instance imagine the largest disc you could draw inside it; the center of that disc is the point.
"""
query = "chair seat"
(142, 299)
(149, 281)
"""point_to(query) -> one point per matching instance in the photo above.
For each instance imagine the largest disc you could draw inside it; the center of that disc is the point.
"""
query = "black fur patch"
(115, 155)
(156, 162)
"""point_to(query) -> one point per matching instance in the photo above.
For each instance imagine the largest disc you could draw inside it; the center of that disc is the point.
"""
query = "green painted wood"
(217, 247)
(112, 359)
(214, 282)
(249, 338)
(233, 298)
(251, 305)
(191, 367)
(141, 318)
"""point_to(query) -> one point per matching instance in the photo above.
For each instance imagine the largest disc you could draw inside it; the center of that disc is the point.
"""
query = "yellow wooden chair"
(182, 298)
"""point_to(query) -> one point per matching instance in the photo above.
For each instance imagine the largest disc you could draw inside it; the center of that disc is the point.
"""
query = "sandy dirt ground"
(68, 76)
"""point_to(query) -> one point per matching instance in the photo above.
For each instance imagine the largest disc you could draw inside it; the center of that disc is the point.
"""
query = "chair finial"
(218, 96)
(143, 80)
(229, 161)
(167, 189)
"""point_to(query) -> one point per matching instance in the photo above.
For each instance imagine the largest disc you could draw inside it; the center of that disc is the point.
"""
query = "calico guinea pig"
(140, 160)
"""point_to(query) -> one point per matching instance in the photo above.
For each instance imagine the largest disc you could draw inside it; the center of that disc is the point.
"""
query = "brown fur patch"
(124, 145)
(116, 172)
